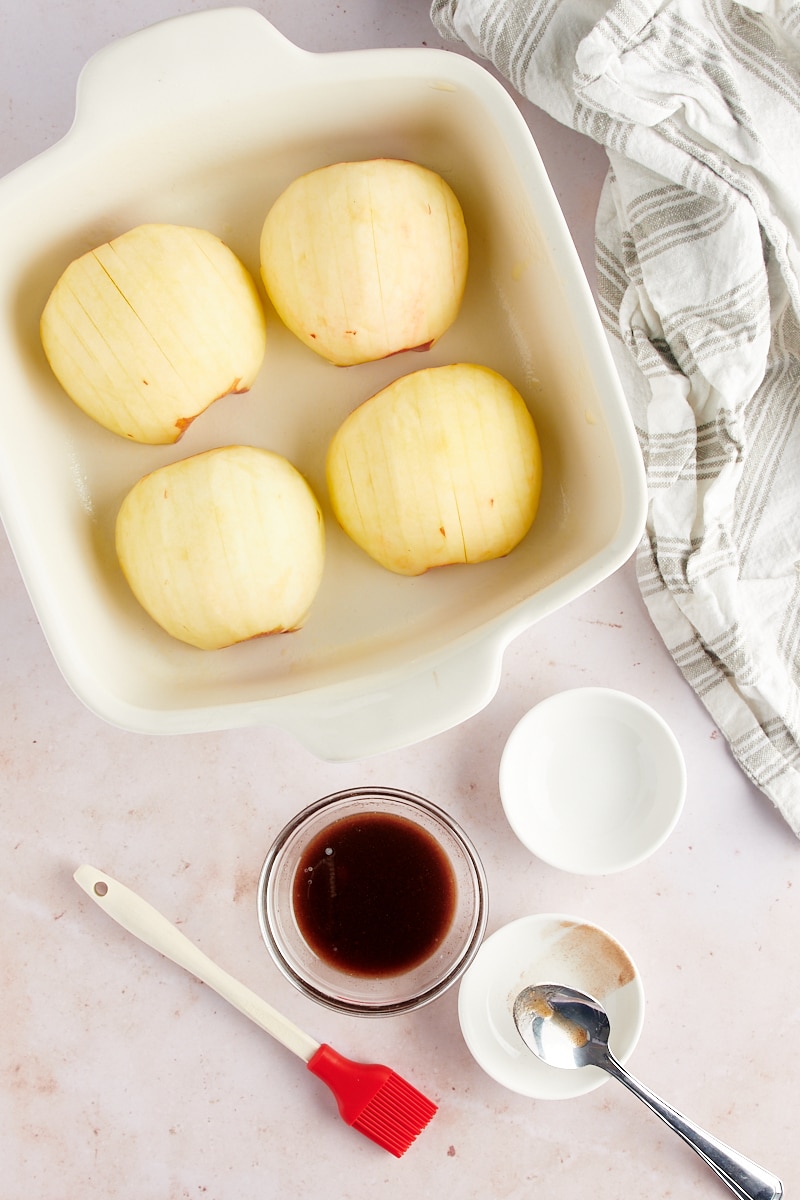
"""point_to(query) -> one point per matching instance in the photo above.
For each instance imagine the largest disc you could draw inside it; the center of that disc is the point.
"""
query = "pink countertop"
(122, 1077)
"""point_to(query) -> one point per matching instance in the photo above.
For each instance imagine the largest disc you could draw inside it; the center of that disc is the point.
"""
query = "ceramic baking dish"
(202, 120)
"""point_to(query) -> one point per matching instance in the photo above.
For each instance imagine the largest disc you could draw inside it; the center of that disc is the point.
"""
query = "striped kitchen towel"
(698, 283)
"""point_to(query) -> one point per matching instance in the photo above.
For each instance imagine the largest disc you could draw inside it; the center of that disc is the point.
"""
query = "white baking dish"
(202, 120)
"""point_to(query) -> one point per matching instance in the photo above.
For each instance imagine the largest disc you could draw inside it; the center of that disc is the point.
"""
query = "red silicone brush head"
(374, 1099)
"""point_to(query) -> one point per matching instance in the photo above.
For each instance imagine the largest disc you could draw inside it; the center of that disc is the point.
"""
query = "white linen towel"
(698, 284)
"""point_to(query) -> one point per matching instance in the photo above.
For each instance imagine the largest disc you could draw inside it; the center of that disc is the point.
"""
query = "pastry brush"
(372, 1098)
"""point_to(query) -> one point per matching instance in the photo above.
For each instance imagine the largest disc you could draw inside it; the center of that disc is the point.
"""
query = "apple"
(442, 466)
(223, 546)
(147, 330)
(364, 259)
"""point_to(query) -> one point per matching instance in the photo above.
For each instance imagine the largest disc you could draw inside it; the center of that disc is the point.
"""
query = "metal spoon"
(567, 1028)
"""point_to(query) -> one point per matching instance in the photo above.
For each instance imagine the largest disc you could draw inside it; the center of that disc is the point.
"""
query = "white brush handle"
(149, 926)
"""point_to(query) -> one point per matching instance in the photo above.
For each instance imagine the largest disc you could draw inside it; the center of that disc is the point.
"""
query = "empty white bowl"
(546, 948)
(592, 780)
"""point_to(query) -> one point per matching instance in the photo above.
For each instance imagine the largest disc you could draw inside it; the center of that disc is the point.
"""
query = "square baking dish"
(203, 120)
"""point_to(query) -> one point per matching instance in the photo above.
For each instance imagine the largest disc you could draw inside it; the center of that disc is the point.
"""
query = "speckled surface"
(121, 1076)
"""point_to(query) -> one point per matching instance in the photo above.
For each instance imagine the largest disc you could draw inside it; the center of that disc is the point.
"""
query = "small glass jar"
(372, 901)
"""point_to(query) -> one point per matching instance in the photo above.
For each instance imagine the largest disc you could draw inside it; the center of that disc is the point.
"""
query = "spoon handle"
(746, 1179)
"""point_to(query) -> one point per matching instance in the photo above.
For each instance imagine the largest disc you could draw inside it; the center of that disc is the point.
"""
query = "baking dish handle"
(341, 728)
(184, 64)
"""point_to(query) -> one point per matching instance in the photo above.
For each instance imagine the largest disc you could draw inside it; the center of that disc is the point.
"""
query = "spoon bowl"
(568, 1028)
(564, 1027)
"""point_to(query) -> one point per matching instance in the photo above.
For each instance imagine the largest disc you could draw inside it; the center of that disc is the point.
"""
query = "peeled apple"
(365, 259)
(223, 546)
(442, 466)
(147, 330)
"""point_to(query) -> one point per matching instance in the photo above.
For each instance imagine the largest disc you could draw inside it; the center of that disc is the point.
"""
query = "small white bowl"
(592, 781)
(546, 948)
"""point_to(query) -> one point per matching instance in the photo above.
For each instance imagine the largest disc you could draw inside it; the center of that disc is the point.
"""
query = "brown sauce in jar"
(374, 894)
